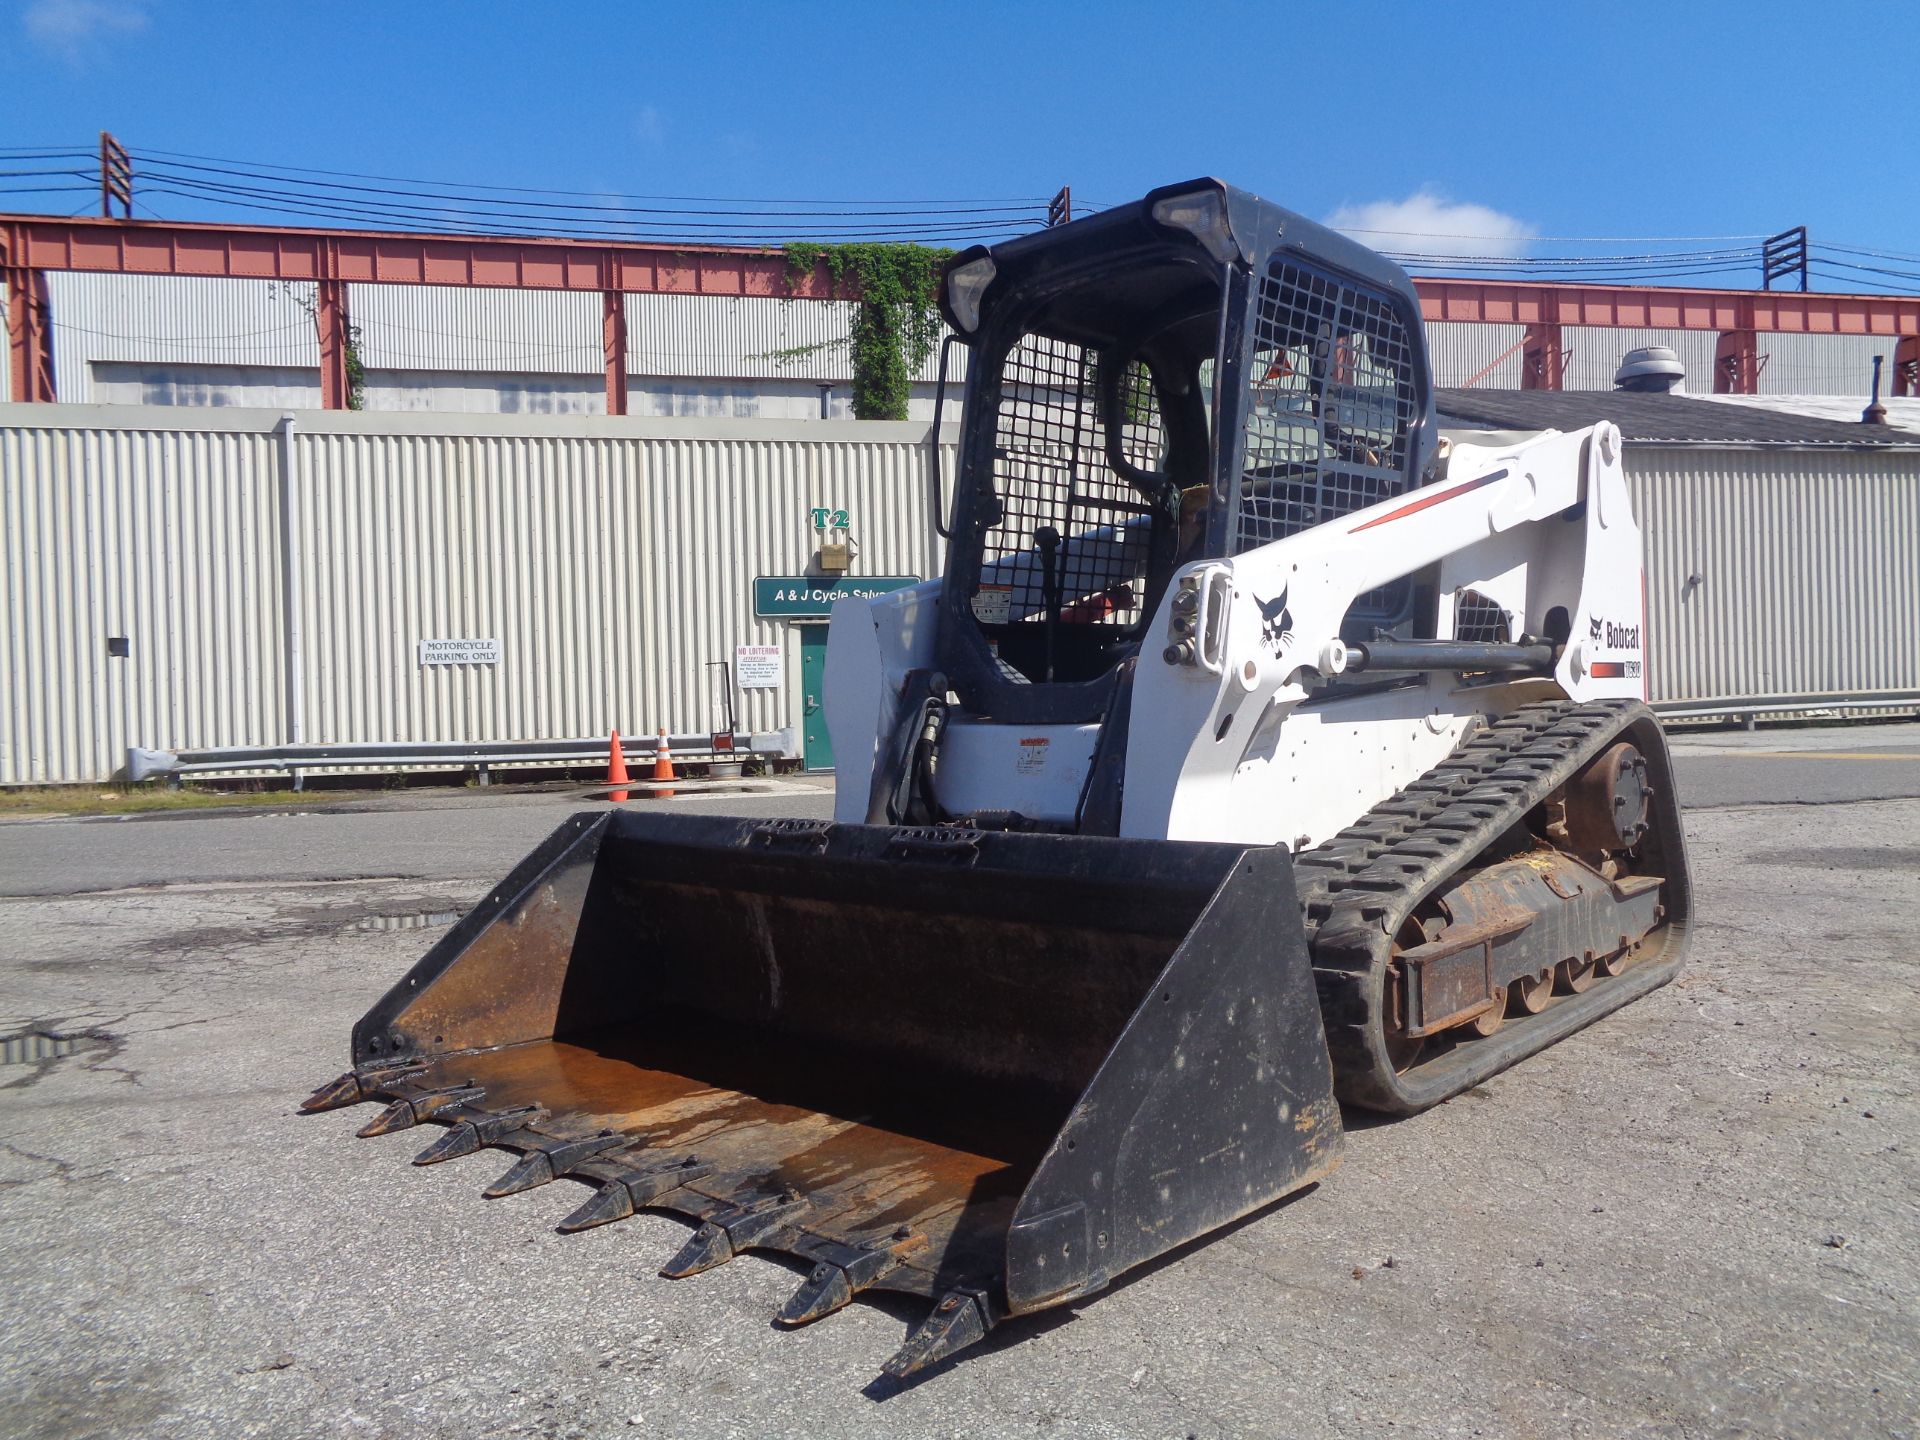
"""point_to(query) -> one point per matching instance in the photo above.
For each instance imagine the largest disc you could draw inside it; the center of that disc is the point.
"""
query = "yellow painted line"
(1825, 755)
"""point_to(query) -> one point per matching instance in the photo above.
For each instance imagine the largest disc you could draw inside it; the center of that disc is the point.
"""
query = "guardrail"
(483, 756)
(1748, 707)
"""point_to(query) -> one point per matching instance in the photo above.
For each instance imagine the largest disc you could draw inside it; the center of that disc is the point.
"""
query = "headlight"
(965, 285)
(1203, 215)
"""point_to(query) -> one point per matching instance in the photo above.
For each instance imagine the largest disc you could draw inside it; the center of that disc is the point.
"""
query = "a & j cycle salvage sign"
(789, 595)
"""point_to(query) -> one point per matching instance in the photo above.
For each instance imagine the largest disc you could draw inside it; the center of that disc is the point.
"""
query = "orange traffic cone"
(662, 767)
(616, 769)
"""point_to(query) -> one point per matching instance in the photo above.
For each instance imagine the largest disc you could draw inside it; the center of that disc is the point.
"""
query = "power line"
(1030, 200)
(603, 208)
(1548, 239)
(743, 222)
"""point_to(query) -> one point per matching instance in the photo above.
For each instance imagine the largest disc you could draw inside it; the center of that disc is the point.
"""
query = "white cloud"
(68, 28)
(1428, 223)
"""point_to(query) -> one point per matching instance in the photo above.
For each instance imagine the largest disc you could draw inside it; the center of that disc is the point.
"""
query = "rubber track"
(1358, 888)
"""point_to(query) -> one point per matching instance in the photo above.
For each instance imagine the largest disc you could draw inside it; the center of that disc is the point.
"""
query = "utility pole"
(116, 178)
(1783, 256)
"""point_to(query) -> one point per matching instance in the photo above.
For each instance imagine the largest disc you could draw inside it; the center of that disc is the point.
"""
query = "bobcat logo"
(1277, 621)
(1597, 626)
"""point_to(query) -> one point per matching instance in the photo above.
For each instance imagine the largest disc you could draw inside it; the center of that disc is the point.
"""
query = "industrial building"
(131, 339)
(206, 551)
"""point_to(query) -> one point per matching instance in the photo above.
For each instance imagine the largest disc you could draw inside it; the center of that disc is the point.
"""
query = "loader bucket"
(995, 1070)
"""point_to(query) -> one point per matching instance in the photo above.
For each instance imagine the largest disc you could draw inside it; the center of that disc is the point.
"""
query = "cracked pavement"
(1698, 1218)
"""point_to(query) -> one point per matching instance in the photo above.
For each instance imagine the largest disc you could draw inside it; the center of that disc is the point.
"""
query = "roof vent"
(1650, 370)
(1875, 413)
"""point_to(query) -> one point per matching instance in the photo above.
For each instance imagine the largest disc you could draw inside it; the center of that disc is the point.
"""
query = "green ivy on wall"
(897, 319)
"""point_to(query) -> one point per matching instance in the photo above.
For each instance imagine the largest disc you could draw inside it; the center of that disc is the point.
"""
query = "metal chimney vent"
(1650, 370)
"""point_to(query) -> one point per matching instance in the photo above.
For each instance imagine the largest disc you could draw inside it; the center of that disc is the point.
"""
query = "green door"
(816, 744)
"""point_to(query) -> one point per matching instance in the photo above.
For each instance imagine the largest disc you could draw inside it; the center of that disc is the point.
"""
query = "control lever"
(1048, 539)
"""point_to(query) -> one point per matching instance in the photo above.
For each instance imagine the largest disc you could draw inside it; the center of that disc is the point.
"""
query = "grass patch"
(136, 799)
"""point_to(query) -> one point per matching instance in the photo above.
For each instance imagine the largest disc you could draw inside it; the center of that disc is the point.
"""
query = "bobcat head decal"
(1596, 625)
(1277, 621)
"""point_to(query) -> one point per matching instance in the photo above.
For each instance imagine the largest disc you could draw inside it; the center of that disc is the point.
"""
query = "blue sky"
(1545, 120)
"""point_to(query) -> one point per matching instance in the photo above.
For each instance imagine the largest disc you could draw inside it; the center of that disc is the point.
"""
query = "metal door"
(816, 743)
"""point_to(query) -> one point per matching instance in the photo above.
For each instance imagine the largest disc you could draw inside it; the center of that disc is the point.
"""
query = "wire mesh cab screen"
(1331, 405)
(1056, 493)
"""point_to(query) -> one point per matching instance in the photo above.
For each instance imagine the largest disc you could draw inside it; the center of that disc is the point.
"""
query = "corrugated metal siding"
(208, 321)
(1459, 352)
(1824, 364)
(165, 537)
(611, 571)
(178, 318)
(613, 559)
(445, 327)
(1594, 353)
(1809, 566)
(222, 322)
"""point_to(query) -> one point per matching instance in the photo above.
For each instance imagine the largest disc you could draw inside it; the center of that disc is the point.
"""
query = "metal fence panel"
(1777, 573)
(164, 537)
(612, 559)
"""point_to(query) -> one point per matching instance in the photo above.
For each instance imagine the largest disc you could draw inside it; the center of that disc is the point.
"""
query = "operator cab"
(1188, 377)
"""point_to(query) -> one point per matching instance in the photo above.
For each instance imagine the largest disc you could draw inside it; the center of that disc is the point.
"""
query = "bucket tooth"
(705, 1249)
(625, 1194)
(962, 1318)
(397, 1116)
(537, 1167)
(462, 1139)
(409, 1111)
(334, 1095)
(647, 1186)
(718, 1241)
(353, 1087)
(609, 1203)
(471, 1135)
(849, 1270)
(824, 1291)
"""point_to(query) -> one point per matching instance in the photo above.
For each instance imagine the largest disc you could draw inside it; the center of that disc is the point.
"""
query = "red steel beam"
(248, 252)
(29, 336)
(613, 339)
(149, 247)
(330, 317)
(31, 245)
(1502, 302)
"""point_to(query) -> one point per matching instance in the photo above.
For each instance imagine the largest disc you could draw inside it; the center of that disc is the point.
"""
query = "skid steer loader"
(1258, 751)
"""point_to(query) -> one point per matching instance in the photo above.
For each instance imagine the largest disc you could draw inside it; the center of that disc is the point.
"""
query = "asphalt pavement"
(1697, 1218)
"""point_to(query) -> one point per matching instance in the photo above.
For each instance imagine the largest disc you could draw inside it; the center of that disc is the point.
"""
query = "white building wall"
(612, 559)
(1486, 357)
(522, 350)
(1594, 353)
(1824, 364)
(1779, 573)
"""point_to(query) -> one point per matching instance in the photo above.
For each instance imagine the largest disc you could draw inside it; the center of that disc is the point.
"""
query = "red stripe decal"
(1427, 502)
(1609, 670)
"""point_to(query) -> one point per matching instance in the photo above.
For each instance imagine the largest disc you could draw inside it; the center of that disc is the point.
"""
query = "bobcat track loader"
(1257, 752)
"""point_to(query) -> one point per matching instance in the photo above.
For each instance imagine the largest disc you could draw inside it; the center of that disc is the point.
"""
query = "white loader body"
(1245, 742)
